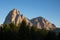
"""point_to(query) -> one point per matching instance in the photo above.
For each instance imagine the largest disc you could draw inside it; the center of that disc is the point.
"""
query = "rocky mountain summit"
(41, 22)
(14, 16)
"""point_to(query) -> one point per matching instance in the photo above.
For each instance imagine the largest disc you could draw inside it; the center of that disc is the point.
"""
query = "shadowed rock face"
(15, 17)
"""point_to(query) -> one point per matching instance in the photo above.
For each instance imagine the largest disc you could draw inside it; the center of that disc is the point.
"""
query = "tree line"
(26, 32)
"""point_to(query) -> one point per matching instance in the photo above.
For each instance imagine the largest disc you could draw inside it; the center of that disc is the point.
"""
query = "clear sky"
(49, 9)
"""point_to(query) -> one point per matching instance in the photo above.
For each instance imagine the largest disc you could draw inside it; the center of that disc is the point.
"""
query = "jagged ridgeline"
(15, 17)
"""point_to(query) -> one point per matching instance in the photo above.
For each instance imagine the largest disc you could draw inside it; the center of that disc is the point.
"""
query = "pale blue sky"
(49, 9)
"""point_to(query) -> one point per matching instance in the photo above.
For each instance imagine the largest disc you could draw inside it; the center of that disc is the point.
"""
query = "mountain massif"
(14, 16)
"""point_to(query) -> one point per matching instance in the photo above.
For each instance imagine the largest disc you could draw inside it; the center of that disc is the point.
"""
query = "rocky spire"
(12, 16)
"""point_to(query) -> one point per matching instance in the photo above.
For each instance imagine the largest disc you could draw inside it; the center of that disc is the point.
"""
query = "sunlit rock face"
(12, 17)
(15, 17)
(40, 22)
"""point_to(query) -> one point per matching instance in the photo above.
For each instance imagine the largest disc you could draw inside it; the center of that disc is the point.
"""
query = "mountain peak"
(12, 16)
(41, 22)
(15, 17)
(40, 17)
(16, 11)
